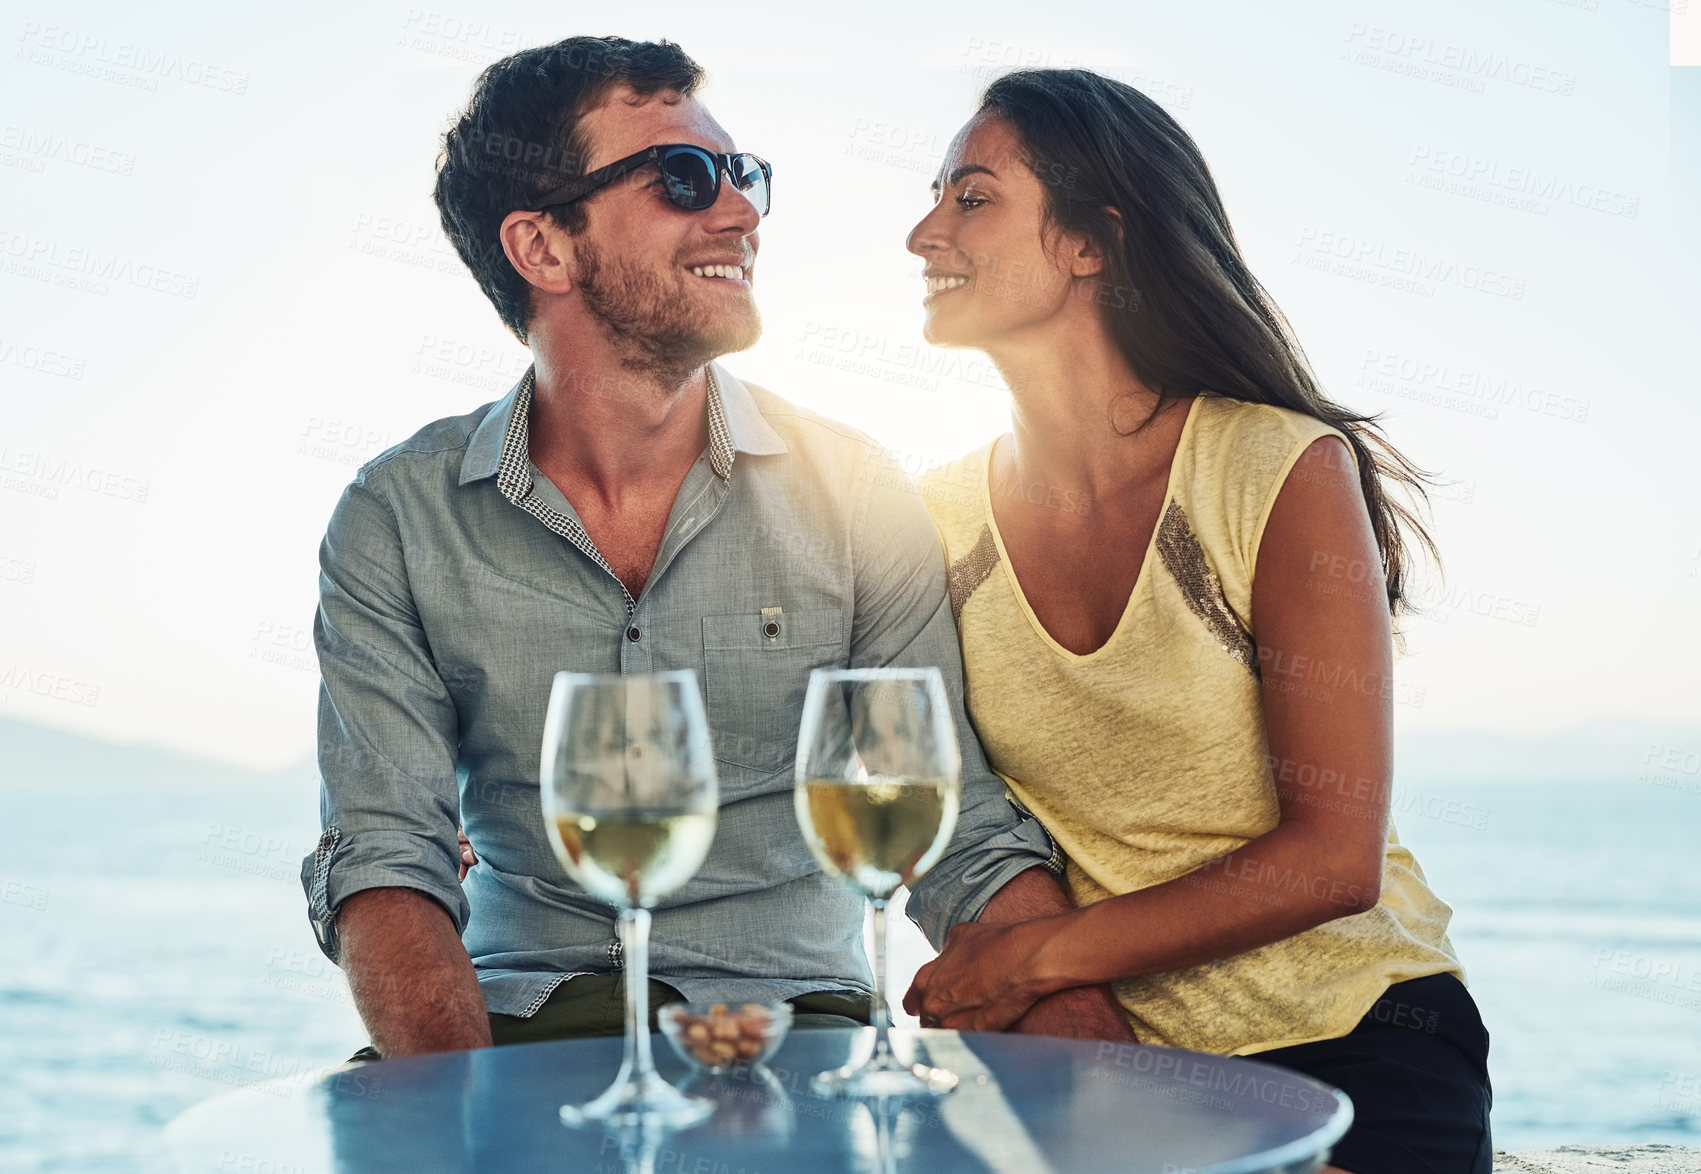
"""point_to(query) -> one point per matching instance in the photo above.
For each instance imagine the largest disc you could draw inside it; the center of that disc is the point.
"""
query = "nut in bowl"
(719, 1037)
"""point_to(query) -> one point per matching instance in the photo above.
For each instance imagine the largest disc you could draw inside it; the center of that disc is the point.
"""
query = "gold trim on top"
(1185, 560)
(970, 571)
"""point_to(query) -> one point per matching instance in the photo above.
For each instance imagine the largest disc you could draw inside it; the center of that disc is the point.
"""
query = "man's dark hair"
(518, 139)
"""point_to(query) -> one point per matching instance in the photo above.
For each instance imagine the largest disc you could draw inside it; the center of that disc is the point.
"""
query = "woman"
(1171, 654)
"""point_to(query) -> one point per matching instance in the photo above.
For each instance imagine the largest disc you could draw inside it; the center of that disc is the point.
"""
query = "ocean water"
(154, 952)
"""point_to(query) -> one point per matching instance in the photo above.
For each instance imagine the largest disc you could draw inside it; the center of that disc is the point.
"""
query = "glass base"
(890, 1080)
(647, 1101)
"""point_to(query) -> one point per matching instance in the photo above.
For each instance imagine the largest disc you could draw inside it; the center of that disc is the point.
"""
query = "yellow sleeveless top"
(1147, 758)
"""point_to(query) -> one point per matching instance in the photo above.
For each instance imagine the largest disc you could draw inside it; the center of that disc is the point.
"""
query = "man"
(628, 507)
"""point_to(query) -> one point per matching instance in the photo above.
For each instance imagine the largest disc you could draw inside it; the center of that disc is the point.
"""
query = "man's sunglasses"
(690, 175)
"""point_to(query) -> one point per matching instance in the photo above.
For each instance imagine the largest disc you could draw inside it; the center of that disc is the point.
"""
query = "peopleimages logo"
(17, 570)
(1676, 767)
(1473, 173)
(14, 892)
(88, 268)
(1412, 270)
(38, 148)
(41, 475)
(1239, 1081)
(137, 65)
(1451, 62)
(1462, 388)
(907, 363)
(29, 680)
(1664, 980)
(40, 359)
(443, 34)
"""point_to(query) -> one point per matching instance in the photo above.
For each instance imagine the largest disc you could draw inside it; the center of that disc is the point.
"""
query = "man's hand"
(413, 984)
(468, 858)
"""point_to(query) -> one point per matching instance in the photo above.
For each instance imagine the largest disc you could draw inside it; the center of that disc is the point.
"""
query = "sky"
(223, 288)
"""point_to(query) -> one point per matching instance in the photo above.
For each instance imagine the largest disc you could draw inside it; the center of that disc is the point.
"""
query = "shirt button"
(634, 635)
(770, 629)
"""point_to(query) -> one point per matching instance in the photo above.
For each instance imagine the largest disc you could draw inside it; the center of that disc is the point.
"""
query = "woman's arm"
(1319, 615)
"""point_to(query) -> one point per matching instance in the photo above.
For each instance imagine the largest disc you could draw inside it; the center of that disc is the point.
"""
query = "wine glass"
(629, 801)
(877, 792)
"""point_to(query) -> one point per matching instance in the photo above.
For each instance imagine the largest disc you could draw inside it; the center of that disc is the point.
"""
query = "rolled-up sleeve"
(389, 801)
(903, 618)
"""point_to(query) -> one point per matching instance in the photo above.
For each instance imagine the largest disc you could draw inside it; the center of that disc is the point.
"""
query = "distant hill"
(32, 754)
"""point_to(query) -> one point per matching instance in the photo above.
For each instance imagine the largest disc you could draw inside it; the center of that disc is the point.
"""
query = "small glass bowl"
(723, 1037)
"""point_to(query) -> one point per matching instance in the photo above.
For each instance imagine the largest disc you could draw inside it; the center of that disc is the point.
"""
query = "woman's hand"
(983, 981)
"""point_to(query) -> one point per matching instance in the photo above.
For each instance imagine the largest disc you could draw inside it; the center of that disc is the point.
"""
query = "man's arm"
(903, 619)
(413, 983)
(382, 887)
(1082, 1012)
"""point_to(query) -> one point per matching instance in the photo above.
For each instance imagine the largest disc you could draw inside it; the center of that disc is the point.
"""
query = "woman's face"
(991, 278)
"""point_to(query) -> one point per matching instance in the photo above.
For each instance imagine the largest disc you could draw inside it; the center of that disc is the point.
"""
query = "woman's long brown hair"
(1189, 316)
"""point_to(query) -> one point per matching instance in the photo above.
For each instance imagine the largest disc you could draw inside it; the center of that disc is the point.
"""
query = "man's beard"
(655, 327)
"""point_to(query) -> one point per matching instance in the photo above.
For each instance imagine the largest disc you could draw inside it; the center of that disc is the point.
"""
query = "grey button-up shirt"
(456, 580)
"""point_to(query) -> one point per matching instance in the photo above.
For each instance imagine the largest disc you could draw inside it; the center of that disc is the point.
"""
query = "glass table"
(1024, 1104)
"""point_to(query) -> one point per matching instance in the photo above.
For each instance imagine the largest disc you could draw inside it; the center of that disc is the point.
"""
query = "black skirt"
(1416, 1068)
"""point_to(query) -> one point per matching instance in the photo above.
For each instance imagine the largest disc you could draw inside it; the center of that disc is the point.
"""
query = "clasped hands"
(984, 980)
(969, 987)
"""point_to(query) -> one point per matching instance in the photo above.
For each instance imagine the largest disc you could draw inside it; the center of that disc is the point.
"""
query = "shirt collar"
(500, 445)
(747, 430)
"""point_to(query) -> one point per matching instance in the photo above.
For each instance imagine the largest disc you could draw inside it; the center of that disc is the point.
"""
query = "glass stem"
(882, 1046)
(635, 949)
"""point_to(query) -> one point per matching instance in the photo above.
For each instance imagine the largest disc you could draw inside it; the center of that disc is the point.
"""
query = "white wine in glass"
(877, 793)
(635, 857)
(630, 802)
(878, 834)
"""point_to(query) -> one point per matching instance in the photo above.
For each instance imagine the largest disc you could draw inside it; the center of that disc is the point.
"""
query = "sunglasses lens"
(690, 177)
(693, 179)
(751, 176)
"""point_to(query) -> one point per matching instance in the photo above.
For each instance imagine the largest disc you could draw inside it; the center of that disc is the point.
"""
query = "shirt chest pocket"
(755, 672)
